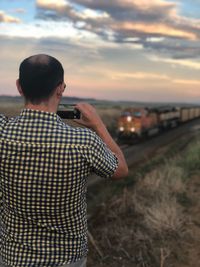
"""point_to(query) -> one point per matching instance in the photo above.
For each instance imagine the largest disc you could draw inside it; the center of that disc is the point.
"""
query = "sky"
(137, 50)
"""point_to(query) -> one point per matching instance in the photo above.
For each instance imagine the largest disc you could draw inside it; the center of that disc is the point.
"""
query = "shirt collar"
(32, 113)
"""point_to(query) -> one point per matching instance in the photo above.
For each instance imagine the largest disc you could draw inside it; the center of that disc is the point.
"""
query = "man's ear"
(59, 91)
(19, 88)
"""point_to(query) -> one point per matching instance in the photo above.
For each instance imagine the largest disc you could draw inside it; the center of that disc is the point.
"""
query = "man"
(44, 164)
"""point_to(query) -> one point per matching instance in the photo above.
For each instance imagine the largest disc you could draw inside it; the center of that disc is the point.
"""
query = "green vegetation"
(190, 160)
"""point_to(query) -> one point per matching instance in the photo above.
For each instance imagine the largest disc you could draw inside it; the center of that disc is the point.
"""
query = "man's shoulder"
(79, 135)
(3, 120)
(83, 135)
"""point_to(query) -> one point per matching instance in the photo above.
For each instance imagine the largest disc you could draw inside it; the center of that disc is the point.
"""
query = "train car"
(197, 112)
(189, 113)
(136, 123)
(185, 115)
(168, 117)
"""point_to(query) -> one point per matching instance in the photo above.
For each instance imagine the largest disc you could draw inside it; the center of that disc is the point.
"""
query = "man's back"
(43, 168)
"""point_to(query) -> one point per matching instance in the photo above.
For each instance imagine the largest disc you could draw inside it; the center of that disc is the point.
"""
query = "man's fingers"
(80, 122)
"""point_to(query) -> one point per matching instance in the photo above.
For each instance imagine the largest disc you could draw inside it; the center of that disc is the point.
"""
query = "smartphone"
(68, 111)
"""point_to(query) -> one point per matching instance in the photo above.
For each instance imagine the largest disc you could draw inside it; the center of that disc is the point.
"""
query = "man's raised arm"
(92, 120)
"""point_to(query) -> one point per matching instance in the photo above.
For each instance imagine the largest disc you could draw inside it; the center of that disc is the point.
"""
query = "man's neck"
(41, 107)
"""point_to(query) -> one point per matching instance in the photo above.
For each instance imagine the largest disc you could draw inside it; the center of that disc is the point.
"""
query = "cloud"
(52, 4)
(152, 29)
(132, 10)
(132, 18)
(40, 30)
(7, 18)
(139, 75)
(62, 10)
(187, 82)
(129, 21)
(108, 73)
(54, 10)
(190, 64)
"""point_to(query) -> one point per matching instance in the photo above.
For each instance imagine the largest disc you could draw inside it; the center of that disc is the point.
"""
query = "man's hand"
(89, 116)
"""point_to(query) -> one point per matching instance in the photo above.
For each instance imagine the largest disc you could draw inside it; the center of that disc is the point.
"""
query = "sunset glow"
(115, 50)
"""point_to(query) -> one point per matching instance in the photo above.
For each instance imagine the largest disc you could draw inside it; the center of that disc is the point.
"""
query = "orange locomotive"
(135, 123)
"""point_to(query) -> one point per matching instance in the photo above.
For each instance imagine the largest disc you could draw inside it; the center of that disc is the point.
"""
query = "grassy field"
(144, 221)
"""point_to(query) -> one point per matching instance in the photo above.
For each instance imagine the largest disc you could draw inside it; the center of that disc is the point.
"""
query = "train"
(139, 123)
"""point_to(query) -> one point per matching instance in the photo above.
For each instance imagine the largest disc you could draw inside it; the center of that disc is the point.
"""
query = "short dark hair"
(39, 75)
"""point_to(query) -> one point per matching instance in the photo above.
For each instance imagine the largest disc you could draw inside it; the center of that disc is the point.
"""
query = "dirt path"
(192, 247)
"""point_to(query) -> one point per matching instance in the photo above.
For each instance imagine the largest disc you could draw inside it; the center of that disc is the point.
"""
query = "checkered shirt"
(44, 165)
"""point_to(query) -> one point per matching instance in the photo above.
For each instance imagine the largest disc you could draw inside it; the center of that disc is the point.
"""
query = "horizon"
(106, 100)
(151, 49)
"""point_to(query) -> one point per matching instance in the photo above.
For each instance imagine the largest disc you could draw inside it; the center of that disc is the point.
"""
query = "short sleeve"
(102, 160)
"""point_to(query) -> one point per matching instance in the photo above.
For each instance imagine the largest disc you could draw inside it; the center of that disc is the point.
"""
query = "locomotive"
(137, 123)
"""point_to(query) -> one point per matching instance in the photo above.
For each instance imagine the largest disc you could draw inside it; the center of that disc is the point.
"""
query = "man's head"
(39, 76)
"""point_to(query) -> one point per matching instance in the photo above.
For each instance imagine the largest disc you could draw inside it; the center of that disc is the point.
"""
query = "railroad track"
(138, 153)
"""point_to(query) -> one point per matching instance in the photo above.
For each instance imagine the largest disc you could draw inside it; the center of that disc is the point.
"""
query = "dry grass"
(190, 161)
(166, 179)
(10, 109)
(145, 225)
(131, 230)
